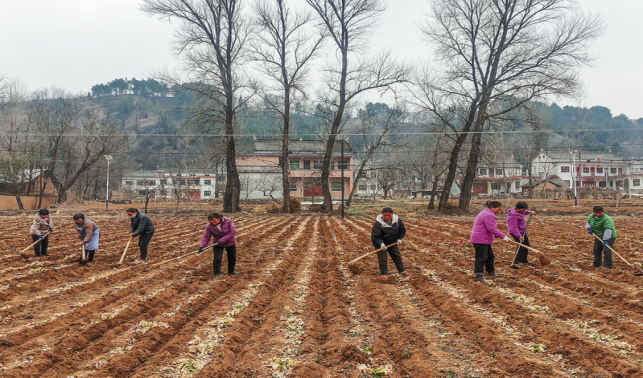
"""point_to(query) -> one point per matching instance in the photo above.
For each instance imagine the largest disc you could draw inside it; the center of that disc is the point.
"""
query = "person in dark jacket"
(88, 233)
(142, 227)
(388, 229)
(517, 227)
(221, 230)
(42, 225)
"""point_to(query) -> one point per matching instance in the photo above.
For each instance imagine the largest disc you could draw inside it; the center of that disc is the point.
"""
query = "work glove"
(383, 246)
(39, 236)
(200, 250)
(51, 230)
(83, 244)
(605, 242)
(506, 238)
(590, 231)
(399, 241)
(215, 244)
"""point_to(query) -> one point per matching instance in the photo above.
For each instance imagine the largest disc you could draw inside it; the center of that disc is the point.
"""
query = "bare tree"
(76, 139)
(374, 128)
(285, 48)
(212, 39)
(509, 51)
(348, 23)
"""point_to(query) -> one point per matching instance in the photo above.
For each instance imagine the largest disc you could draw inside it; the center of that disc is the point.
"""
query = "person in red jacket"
(221, 230)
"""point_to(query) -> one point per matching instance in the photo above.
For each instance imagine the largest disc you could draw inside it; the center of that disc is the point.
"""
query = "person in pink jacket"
(517, 227)
(221, 230)
(482, 235)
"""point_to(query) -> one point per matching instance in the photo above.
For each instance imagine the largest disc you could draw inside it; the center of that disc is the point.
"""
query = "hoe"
(354, 268)
(124, 252)
(636, 274)
(544, 260)
(23, 254)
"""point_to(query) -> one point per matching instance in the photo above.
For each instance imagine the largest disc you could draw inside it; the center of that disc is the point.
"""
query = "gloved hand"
(215, 244)
(200, 250)
(605, 242)
(399, 241)
(51, 229)
(383, 246)
(83, 244)
(39, 236)
(590, 231)
(506, 238)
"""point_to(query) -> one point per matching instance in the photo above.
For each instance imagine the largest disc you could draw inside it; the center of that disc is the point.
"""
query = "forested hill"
(154, 111)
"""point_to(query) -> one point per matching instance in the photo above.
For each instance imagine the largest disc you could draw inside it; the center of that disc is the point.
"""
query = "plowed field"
(297, 310)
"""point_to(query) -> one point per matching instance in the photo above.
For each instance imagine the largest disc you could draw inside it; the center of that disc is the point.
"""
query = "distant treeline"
(146, 87)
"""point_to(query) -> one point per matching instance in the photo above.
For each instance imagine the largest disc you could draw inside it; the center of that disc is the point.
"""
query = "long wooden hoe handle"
(125, 251)
(370, 253)
(34, 243)
(84, 257)
(180, 257)
(529, 248)
(611, 249)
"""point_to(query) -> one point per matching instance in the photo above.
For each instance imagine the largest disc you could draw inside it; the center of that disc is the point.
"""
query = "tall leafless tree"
(285, 47)
(348, 23)
(512, 51)
(212, 39)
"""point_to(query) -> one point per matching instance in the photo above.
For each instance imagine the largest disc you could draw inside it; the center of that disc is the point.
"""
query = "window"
(150, 182)
(293, 186)
(620, 171)
(129, 182)
(306, 164)
(498, 172)
(207, 193)
(564, 169)
(636, 182)
(517, 185)
(602, 184)
(294, 164)
(599, 171)
(336, 186)
(342, 164)
(362, 187)
(139, 182)
(207, 182)
(613, 171)
(175, 181)
(317, 164)
(483, 171)
(142, 192)
(585, 170)
(495, 186)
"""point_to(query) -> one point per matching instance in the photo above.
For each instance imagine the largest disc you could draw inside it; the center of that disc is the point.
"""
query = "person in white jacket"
(42, 225)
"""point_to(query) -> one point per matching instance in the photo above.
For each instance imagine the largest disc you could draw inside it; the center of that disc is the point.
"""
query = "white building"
(168, 183)
(603, 170)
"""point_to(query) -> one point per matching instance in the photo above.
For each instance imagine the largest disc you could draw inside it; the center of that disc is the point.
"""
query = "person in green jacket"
(602, 225)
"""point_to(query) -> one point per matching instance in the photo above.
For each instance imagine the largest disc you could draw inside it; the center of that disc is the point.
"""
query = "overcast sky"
(74, 44)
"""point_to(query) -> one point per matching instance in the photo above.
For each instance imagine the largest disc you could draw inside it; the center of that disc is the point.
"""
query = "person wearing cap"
(601, 225)
(88, 233)
(41, 227)
(141, 226)
(517, 227)
(482, 236)
(388, 229)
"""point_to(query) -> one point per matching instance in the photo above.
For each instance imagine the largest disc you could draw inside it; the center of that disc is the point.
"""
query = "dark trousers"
(382, 259)
(600, 249)
(218, 256)
(40, 248)
(90, 254)
(143, 242)
(484, 259)
(522, 251)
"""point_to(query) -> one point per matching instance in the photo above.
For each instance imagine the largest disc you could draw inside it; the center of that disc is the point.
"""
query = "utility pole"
(109, 159)
(574, 175)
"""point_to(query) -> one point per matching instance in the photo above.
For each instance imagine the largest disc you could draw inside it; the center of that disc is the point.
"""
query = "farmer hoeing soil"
(89, 235)
(42, 226)
(388, 229)
(517, 227)
(482, 235)
(221, 230)
(141, 226)
(602, 225)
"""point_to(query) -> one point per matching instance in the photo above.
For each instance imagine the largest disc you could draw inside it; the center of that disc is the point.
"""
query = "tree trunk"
(19, 202)
(436, 179)
(285, 161)
(147, 199)
(233, 184)
(531, 185)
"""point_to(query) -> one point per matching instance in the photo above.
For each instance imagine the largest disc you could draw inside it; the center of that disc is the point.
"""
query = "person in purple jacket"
(482, 235)
(517, 226)
(221, 230)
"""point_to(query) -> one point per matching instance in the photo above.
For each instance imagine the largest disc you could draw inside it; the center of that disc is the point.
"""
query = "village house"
(168, 183)
(260, 173)
(32, 189)
(590, 169)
